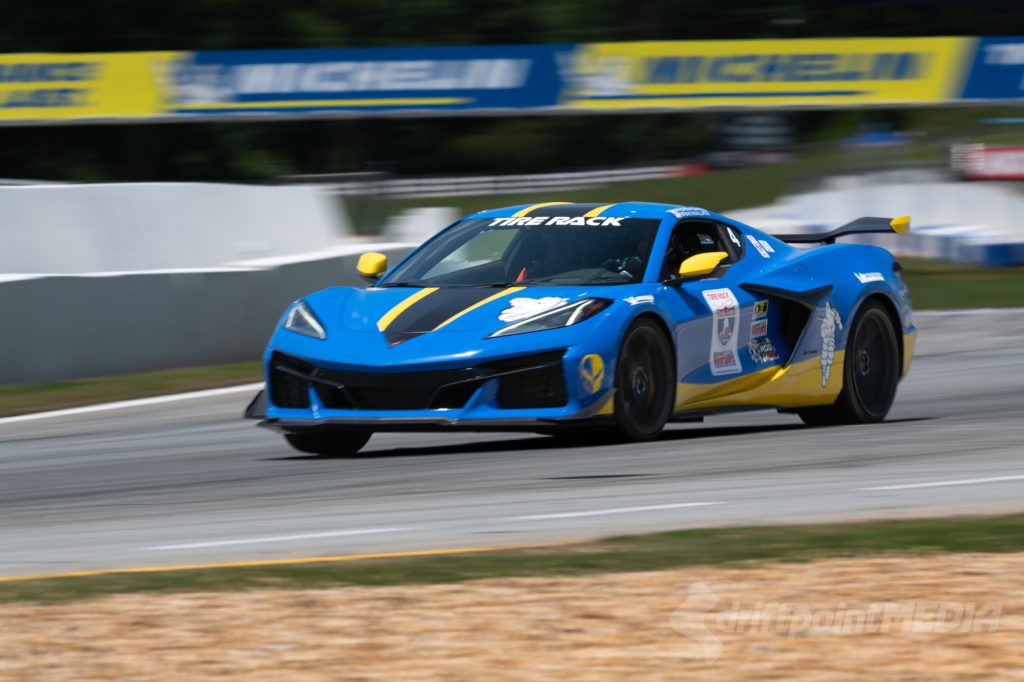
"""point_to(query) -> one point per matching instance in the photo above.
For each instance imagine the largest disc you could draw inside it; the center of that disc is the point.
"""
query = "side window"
(690, 237)
(733, 241)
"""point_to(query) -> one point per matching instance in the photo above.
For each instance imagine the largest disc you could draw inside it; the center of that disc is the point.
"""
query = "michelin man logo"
(829, 323)
(522, 308)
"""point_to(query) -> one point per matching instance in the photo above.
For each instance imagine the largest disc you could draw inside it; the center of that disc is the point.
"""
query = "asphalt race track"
(190, 482)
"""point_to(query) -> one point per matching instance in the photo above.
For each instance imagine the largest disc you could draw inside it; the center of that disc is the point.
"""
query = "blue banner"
(361, 81)
(997, 71)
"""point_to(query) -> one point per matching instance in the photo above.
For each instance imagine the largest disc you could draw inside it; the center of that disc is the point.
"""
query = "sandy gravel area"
(955, 617)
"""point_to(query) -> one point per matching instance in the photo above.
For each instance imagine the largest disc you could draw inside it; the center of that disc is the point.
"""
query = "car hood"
(404, 313)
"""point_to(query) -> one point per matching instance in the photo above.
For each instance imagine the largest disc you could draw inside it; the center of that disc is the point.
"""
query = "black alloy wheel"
(871, 372)
(645, 386)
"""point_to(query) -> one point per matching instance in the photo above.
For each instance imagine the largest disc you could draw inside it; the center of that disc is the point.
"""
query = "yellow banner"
(63, 86)
(764, 73)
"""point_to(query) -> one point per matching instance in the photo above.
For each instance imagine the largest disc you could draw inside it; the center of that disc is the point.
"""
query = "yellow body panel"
(798, 385)
(909, 343)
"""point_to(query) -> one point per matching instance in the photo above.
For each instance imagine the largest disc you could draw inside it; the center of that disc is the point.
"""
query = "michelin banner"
(764, 73)
(365, 81)
(513, 79)
(997, 71)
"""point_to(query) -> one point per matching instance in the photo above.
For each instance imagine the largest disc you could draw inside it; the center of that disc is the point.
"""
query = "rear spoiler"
(899, 225)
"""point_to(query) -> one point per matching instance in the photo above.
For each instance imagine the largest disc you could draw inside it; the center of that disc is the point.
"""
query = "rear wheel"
(334, 442)
(871, 372)
(644, 382)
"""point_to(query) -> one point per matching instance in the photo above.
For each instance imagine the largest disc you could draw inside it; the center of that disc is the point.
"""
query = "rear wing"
(899, 225)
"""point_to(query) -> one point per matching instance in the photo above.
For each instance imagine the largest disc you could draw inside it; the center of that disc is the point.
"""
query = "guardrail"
(379, 184)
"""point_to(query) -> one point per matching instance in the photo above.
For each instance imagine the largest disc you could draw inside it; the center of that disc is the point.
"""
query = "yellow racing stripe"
(526, 211)
(506, 292)
(390, 315)
(594, 212)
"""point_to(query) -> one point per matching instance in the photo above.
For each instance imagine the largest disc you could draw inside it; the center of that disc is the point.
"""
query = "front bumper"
(525, 392)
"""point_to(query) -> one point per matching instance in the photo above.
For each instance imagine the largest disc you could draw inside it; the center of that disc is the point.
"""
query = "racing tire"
(337, 442)
(645, 387)
(871, 372)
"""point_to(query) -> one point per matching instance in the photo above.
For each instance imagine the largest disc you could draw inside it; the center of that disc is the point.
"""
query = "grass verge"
(937, 285)
(24, 398)
(630, 553)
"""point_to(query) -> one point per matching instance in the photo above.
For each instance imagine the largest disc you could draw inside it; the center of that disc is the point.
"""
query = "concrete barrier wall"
(64, 326)
(65, 229)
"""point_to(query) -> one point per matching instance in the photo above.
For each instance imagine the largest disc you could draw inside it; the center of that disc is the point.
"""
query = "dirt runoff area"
(956, 617)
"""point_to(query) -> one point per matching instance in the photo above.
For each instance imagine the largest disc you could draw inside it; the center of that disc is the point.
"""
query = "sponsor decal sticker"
(761, 309)
(538, 221)
(762, 350)
(865, 277)
(725, 311)
(522, 308)
(829, 323)
(637, 300)
(591, 373)
(757, 245)
(758, 328)
(688, 212)
(766, 246)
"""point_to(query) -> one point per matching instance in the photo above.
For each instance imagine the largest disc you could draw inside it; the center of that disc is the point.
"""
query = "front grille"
(543, 387)
(534, 381)
(287, 389)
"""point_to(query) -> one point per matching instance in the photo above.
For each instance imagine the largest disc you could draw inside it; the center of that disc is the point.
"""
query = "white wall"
(66, 229)
(68, 326)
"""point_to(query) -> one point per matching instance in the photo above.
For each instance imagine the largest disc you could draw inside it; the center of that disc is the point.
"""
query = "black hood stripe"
(434, 311)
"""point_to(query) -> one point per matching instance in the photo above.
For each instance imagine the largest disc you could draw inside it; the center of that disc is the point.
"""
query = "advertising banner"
(764, 73)
(508, 79)
(989, 162)
(364, 81)
(997, 70)
(52, 87)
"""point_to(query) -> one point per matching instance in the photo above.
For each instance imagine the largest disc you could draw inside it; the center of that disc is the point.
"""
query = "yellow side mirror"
(702, 264)
(372, 265)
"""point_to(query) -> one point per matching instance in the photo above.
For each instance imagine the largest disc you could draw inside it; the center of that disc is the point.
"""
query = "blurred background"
(203, 163)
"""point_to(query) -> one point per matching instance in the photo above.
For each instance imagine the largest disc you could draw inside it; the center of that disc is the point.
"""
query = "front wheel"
(330, 442)
(644, 382)
(871, 372)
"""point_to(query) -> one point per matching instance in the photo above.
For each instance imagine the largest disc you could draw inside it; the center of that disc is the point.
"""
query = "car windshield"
(538, 251)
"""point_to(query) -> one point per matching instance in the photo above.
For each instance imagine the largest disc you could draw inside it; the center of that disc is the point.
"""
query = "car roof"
(627, 209)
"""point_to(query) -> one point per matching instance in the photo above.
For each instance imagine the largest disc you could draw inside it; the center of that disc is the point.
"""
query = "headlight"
(301, 320)
(563, 316)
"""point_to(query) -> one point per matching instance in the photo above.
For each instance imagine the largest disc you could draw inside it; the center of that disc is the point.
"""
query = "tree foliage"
(244, 151)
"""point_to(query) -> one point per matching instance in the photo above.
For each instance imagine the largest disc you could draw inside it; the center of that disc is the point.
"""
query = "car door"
(724, 333)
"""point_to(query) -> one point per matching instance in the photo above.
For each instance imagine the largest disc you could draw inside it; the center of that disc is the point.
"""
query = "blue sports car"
(616, 317)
